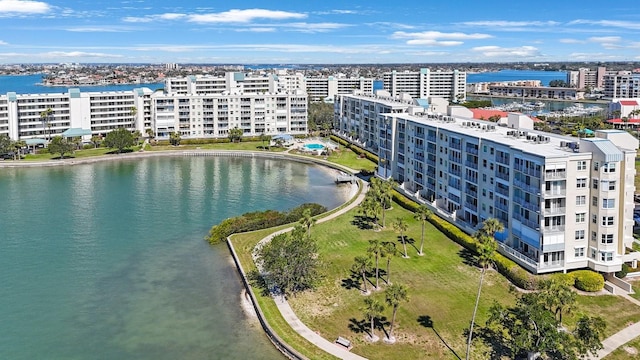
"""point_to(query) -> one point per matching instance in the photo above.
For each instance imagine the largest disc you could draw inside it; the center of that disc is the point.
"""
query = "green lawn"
(630, 350)
(636, 288)
(243, 145)
(76, 155)
(442, 287)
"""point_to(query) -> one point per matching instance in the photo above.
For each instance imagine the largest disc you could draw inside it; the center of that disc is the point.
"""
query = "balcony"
(553, 229)
(502, 191)
(472, 150)
(455, 146)
(471, 206)
(502, 160)
(503, 176)
(561, 192)
(431, 138)
(520, 257)
(529, 188)
(554, 211)
(457, 173)
(471, 164)
(528, 171)
(501, 206)
(555, 175)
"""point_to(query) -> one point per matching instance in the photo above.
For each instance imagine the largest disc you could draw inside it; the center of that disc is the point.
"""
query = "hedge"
(587, 280)
(356, 149)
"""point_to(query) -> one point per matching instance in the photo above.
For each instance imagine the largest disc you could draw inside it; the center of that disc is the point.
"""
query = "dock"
(345, 178)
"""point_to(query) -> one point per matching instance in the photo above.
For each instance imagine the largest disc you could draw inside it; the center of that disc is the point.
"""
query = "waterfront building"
(195, 107)
(623, 84)
(21, 115)
(539, 92)
(484, 87)
(585, 77)
(425, 83)
(566, 203)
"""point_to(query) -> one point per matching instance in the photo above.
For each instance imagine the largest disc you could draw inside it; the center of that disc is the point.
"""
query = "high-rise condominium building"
(623, 84)
(321, 88)
(585, 77)
(426, 83)
(565, 202)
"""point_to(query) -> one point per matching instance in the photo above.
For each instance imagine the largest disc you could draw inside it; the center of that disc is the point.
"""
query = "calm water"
(512, 75)
(27, 84)
(108, 261)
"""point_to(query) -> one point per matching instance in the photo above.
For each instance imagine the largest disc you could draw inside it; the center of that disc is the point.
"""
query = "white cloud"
(23, 7)
(108, 29)
(592, 56)
(150, 18)
(244, 16)
(3, 43)
(509, 24)
(436, 38)
(608, 23)
(605, 39)
(314, 27)
(393, 25)
(572, 41)
(257, 29)
(77, 54)
(515, 52)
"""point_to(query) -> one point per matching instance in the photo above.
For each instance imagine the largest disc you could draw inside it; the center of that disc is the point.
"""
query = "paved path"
(621, 337)
(289, 315)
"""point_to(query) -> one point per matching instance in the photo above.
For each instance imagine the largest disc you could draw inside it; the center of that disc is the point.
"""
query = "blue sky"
(339, 32)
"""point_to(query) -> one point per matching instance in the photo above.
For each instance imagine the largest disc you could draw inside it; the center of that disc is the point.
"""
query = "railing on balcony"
(502, 191)
(472, 150)
(522, 185)
(501, 206)
(520, 256)
(457, 173)
(471, 193)
(419, 157)
(528, 171)
(431, 138)
(455, 146)
(503, 176)
(553, 229)
(431, 162)
(556, 192)
(471, 164)
(555, 175)
(554, 210)
(502, 160)
(473, 179)
(471, 206)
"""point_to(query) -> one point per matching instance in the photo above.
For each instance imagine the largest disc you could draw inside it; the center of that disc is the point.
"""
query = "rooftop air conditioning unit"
(563, 144)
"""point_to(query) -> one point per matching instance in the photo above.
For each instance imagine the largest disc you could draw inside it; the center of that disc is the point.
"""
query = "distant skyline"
(308, 32)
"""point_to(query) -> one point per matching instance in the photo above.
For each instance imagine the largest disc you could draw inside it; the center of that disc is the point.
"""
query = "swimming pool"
(314, 146)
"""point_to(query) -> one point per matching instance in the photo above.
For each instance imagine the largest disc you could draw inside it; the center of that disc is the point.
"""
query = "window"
(596, 166)
(607, 220)
(612, 186)
(594, 201)
(484, 177)
(606, 256)
(594, 219)
(491, 195)
(484, 148)
(606, 239)
(581, 183)
(594, 236)
(595, 184)
(609, 167)
(582, 165)
(484, 163)
(608, 203)
(579, 234)
(491, 166)
(491, 151)
(581, 200)
(579, 252)
(580, 217)
(593, 253)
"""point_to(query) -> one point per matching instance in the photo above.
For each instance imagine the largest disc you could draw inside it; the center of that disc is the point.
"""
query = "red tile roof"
(628, 103)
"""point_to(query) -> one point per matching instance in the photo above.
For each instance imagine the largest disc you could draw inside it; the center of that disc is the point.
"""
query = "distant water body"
(109, 261)
(513, 75)
(28, 84)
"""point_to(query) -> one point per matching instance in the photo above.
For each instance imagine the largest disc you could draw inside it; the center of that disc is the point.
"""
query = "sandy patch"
(247, 305)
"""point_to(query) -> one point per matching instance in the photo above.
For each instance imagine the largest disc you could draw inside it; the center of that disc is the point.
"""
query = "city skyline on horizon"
(141, 31)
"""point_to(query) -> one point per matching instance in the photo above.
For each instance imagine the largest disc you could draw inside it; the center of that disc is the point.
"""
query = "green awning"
(35, 141)
(75, 132)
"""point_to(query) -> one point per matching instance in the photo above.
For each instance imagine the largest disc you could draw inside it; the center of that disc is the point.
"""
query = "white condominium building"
(22, 116)
(320, 89)
(624, 84)
(566, 203)
(426, 83)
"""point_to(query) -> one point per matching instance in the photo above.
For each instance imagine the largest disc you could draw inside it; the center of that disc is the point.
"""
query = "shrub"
(358, 150)
(624, 271)
(565, 279)
(259, 220)
(87, 146)
(588, 280)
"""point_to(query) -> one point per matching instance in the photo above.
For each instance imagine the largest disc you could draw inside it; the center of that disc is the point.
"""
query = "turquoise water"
(108, 261)
(314, 146)
(512, 75)
(27, 84)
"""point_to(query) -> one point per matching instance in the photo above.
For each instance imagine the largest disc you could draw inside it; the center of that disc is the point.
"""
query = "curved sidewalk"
(620, 338)
(289, 315)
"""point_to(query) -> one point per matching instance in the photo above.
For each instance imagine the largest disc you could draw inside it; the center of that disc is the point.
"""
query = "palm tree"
(487, 246)
(370, 207)
(96, 140)
(394, 295)
(383, 191)
(361, 265)
(264, 137)
(307, 221)
(150, 133)
(422, 214)
(559, 297)
(400, 226)
(18, 145)
(45, 116)
(372, 310)
(133, 112)
(375, 250)
(389, 250)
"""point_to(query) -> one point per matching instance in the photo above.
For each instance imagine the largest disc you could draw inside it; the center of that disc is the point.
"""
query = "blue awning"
(35, 141)
(75, 132)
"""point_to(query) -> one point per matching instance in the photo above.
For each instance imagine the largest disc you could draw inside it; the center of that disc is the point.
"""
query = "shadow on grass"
(124, 151)
(359, 326)
(425, 320)
(493, 340)
(362, 222)
(257, 280)
(468, 257)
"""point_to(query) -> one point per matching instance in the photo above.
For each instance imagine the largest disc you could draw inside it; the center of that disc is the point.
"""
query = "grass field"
(442, 284)
(630, 350)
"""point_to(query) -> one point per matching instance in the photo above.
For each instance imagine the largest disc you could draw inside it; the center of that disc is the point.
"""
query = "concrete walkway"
(622, 337)
(289, 315)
